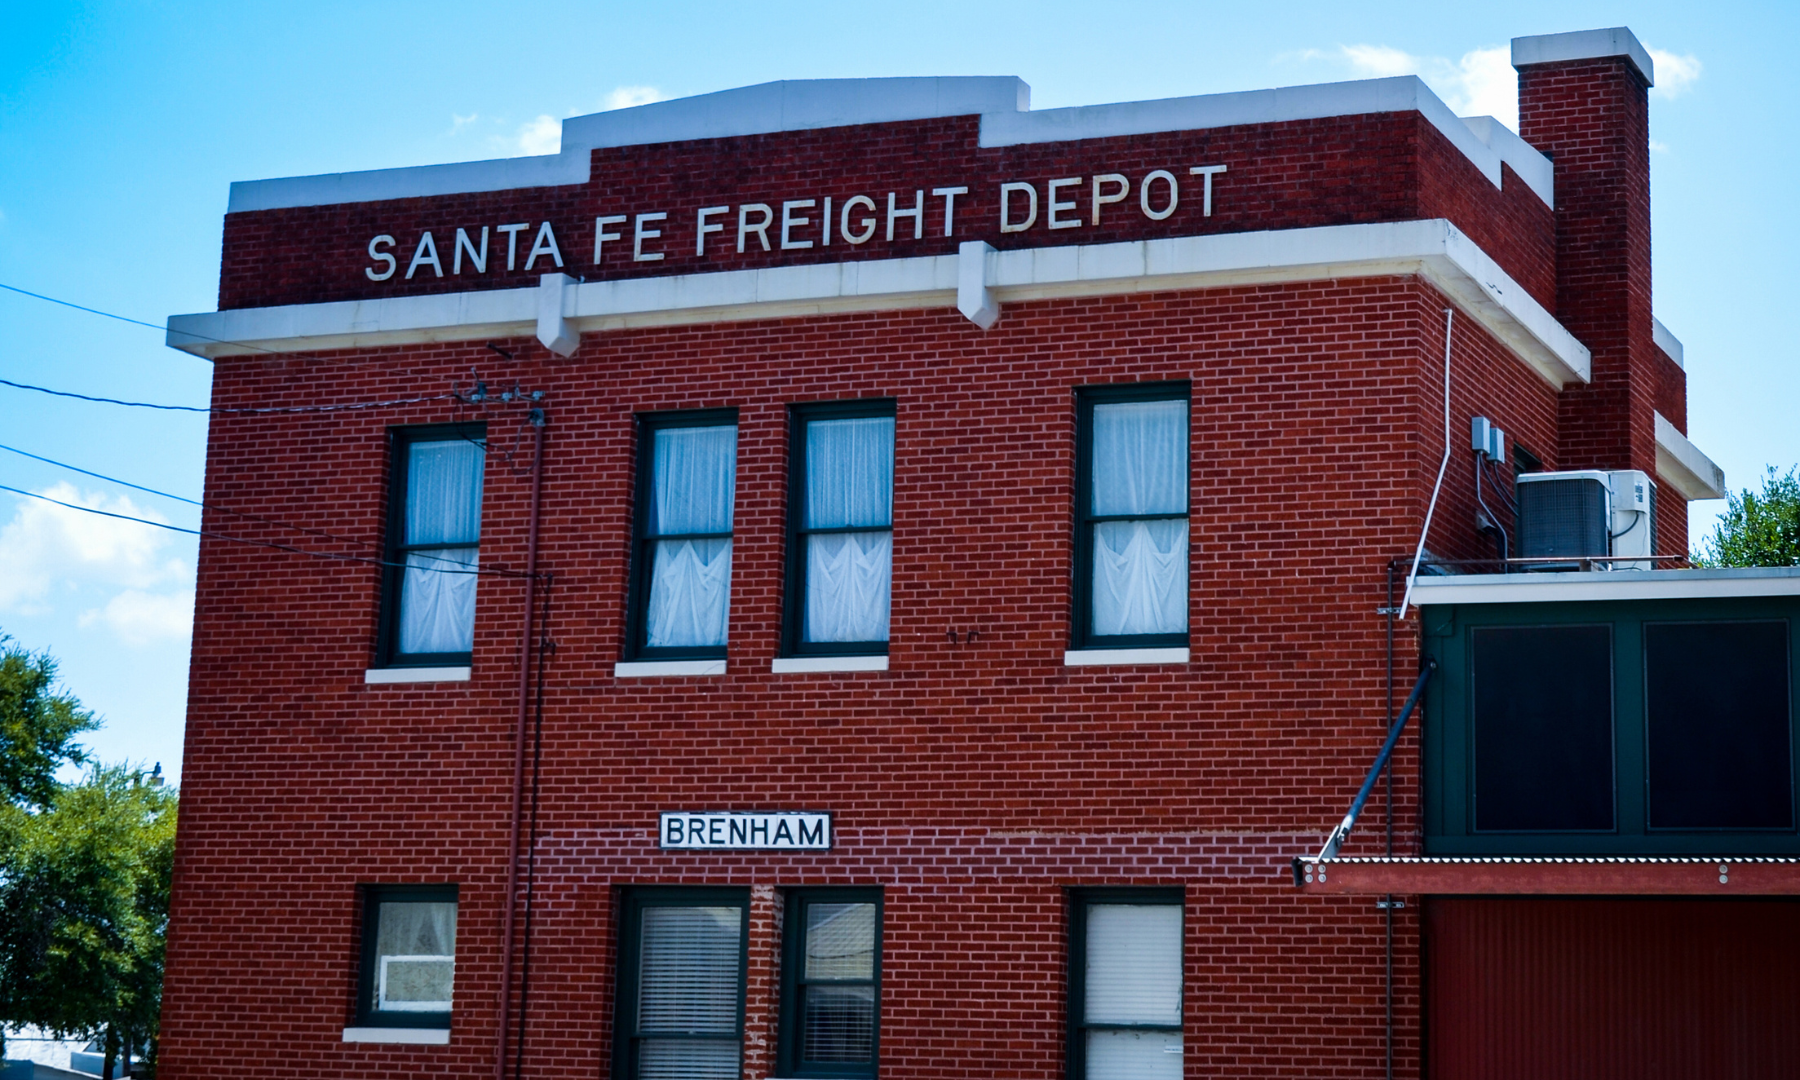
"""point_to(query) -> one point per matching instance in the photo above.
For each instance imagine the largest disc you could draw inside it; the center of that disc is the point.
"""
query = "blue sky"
(122, 125)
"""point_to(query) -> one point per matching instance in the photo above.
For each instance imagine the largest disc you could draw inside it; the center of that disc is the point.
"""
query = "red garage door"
(1541, 989)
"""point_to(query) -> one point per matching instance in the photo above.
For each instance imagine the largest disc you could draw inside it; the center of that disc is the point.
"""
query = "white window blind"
(415, 956)
(692, 492)
(1133, 979)
(839, 992)
(688, 985)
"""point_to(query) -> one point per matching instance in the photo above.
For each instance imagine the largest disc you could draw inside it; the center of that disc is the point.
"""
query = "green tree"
(84, 871)
(1757, 529)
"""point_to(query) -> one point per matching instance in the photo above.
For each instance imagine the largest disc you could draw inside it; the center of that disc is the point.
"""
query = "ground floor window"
(409, 956)
(681, 984)
(1125, 966)
(831, 983)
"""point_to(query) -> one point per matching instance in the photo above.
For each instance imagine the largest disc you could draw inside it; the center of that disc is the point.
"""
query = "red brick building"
(849, 577)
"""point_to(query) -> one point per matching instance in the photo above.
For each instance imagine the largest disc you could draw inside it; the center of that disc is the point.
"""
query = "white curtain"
(1140, 572)
(692, 487)
(415, 956)
(849, 483)
(688, 981)
(1134, 964)
(443, 506)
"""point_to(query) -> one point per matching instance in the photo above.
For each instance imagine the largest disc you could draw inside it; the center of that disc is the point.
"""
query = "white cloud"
(141, 618)
(457, 123)
(1658, 147)
(1481, 83)
(46, 547)
(541, 136)
(1674, 74)
(625, 97)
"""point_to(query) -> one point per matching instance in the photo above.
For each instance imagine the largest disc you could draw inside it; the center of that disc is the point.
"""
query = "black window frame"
(631, 907)
(790, 1036)
(1079, 901)
(372, 897)
(1082, 573)
(394, 549)
(643, 545)
(793, 628)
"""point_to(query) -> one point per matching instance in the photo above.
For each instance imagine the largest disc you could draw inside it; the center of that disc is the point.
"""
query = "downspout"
(510, 907)
(1449, 320)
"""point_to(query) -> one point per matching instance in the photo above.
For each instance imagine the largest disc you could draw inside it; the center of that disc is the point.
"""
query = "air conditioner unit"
(1592, 514)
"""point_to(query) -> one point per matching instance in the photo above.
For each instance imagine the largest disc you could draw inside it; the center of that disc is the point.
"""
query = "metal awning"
(1725, 875)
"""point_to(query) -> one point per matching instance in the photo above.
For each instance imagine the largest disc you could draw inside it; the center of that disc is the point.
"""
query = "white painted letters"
(789, 223)
(639, 234)
(1144, 194)
(421, 258)
(949, 194)
(545, 244)
(1052, 204)
(478, 258)
(601, 236)
(702, 228)
(917, 213)
(761, 229)
(1006, 193)
(381, 256)
(1102, 198)
(868, 223)
(1207, 171)
(512, 242)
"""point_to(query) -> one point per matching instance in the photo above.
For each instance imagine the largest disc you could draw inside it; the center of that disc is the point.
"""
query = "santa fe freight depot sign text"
(819, 222)
(785, 831)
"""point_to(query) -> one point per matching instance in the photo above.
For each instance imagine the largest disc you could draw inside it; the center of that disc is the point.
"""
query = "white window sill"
(1087, 657)
(800, 665)
(416, 1036)
(376, 676)
(646, 669)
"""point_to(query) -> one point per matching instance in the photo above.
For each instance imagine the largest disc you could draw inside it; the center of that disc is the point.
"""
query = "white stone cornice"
(1684, 467)
(1433, 249)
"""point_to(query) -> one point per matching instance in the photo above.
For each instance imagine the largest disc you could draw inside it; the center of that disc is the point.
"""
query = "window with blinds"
(831, 983)
(681, 586)
(408, 972)
(1125, 981)
(681, 984)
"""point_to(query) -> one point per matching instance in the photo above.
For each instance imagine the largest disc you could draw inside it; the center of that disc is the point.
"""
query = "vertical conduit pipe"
(1449, 321)
(510, 905)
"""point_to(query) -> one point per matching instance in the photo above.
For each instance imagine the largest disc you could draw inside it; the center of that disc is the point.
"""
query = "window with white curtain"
(1125, 976)
(831, 983)
(841, 550)
(1131, 542)
(434, 544)
(687, 478)
(408, 970)
(681, 984)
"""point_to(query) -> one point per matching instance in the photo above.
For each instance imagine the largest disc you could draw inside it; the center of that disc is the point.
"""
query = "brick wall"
(973, 781)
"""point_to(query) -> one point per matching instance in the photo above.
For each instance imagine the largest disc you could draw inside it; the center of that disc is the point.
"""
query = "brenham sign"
(782, 830)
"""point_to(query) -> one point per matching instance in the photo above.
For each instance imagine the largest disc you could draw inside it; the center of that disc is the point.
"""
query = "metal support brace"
(1342, 832)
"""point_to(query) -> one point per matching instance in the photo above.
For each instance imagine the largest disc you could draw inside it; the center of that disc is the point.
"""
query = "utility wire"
(207, 409)
(164, 327)
(259, 543)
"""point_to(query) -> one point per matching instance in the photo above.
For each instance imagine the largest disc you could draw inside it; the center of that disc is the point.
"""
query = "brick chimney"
(1584, 102)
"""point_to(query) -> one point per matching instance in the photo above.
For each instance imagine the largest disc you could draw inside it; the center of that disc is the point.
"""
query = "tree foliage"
(1757, 528)
(84, 870)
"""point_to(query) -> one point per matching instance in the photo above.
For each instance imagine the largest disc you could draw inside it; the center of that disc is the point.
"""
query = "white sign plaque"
(782, 830)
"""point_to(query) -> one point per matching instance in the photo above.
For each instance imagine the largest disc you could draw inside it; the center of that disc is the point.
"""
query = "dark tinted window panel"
(1718, 725)
(1543, 728)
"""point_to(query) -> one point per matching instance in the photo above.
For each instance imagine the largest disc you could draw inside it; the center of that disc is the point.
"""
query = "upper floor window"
(841, 528)
(434, 538)
(687, 477)
(408, 956)
(1131, 535)
(831, 983)
(1125, 969)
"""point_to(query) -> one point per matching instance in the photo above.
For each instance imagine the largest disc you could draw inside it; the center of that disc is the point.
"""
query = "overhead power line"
(259, 543)
(448, 396)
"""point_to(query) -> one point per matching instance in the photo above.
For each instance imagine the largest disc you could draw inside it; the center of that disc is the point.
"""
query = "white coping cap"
(1554, 586)
(1668, 342)
(1584, 45)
